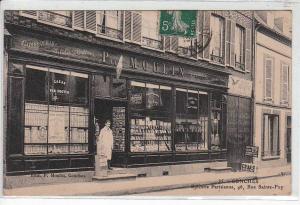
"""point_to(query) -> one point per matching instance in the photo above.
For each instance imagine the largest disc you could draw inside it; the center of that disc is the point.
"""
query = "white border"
(192, 4)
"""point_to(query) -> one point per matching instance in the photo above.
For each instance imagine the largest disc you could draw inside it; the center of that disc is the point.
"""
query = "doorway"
(116, 112)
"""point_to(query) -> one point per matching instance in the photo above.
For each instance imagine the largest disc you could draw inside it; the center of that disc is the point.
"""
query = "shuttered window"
(268, 78)
(284, 88)
(90, 21)
(133, 26)
(85, 20)
(110, 24)
(78, 19)
(171, 43)
(239, 47)
(217, 42)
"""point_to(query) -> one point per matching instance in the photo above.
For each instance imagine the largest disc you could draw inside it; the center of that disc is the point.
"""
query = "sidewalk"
(143, 185)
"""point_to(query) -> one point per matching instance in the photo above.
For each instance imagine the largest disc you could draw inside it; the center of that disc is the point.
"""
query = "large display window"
(56, 112)
(191, 129)
(150, 123)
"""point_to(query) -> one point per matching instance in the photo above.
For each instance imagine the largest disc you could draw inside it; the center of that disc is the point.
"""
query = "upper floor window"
(239, 47)
(268, 77)
(284, 84)
(150, 30)
(111, 24)
(217, 42)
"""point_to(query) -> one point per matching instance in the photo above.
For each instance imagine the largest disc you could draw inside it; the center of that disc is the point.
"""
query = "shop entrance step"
(114, 177)
(218, 169)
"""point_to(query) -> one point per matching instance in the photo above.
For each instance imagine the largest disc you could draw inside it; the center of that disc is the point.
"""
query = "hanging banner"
(178, 23)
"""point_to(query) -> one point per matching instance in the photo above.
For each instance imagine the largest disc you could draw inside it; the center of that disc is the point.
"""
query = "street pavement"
(149, 184)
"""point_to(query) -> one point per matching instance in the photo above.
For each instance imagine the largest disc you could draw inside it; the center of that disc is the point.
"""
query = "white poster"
(56, 127)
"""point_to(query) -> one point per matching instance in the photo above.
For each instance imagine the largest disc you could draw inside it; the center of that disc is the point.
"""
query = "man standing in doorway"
(105, 143)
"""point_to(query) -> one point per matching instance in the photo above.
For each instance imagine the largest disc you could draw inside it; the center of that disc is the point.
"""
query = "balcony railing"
(110, 32)
(152, 43)
(217, 59)
(55, 18)
(240, 66)
(184, 51)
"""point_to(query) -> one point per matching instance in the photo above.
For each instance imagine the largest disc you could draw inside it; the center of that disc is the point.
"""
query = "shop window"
(270, 135)
(150, 121)
(217, 42)
(119, 88)
(111, 24)
(218, 103)
(57, 127)
(150, 30)
(239, 47)
(36, 84)
(191, 130)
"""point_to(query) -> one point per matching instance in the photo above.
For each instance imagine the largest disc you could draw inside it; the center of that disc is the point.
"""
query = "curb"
(174, 186)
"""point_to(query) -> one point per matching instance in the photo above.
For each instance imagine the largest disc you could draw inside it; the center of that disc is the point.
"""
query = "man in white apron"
(104, 146)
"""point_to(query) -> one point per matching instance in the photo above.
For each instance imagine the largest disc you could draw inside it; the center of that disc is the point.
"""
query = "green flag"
(179, 23)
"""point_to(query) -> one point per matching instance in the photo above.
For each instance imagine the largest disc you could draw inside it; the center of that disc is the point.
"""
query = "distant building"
(273, 87)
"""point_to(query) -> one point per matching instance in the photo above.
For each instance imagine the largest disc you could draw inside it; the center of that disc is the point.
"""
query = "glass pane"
(166, 99)
(137, 95)
(58, 149)
(79, 125)
(78, 88)
(181, 101)
(153, 99)
(36, 84)
(58, 124)
(138, 134)
(203, 121)
(36, 123)
(118, 127)
(35, 149)
(79, 148)
(192, 104)
(102, 85)
(119, 88)
(59, 87)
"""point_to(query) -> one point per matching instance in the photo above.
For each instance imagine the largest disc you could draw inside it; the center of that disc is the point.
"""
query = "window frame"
(218, 59)
(263, 151)
(242, 49)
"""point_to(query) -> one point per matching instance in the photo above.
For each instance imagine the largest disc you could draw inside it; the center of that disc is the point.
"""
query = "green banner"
(178, 23)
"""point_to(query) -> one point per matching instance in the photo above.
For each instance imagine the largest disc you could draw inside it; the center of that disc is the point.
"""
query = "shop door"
(238, 130)
(116, 111)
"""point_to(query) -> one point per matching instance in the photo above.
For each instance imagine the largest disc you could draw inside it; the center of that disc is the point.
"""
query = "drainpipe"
(254, 32)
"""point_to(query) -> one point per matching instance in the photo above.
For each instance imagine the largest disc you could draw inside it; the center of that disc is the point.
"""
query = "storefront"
(163, 111)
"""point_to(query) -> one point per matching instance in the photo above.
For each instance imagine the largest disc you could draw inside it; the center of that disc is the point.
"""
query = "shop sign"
(239, 86)
(248, 167)
(136, 98)
(252, 151)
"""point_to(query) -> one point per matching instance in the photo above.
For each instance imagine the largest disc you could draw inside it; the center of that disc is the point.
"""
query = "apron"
(105, 143)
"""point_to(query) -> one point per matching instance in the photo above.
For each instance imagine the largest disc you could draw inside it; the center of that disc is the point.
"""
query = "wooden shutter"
(284, 83)
(206, 33)
(227, 41)
(266, 136)
(248, 44)
(90, 21)
(174, 43)
(78, 20)
(29, 13)
(167, 43)
(200, 33)
(232, 44)
(136, 27)
(275, 136)
(128, 25)
(268, 78)
(15, 115)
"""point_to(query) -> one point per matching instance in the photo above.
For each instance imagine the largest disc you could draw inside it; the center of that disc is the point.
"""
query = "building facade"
(273, 98)
(171, 100)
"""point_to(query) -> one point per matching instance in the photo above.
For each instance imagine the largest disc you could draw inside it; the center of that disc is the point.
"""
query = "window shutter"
(174, 43)
(90, 21)
(284, 83)
(227, 41)
(268, 78)
(128, 25)
(248, 44)
(78, 20)
(232, 45)
(206, 33)
(200, 36)
(29, 13)
(167, 43)
(275, 143)
(266, 139)
(136, 27)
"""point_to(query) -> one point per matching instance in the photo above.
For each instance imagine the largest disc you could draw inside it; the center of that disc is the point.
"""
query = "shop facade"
(164, 110)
